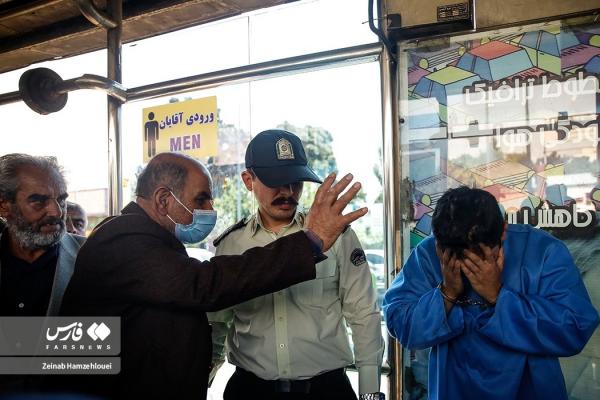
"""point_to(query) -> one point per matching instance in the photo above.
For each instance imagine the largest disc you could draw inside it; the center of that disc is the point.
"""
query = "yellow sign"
(188, 127)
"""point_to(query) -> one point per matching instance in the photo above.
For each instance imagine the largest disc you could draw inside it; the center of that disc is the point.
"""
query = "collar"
(134, 208)
(255, 223)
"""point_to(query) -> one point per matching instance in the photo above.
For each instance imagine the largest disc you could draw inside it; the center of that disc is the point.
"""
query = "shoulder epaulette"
(238, 225)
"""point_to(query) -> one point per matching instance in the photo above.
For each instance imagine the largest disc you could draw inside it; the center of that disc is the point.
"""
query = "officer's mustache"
(284, 200)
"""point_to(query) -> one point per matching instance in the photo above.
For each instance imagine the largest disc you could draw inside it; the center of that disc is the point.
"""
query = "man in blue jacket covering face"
(497, 304)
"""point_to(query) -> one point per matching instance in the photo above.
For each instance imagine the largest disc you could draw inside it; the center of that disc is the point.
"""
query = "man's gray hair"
(167, 174)
(74, 207)
(10, 164)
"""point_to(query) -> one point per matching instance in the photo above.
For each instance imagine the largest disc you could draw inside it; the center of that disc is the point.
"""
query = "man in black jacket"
(37, 256)
(135, 266)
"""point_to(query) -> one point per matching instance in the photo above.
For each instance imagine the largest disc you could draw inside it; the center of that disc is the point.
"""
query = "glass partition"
(233, 134)
(76, 135)
(294, 29)
(333, 118)
(514, 112)
(305, 27)
(191, 51)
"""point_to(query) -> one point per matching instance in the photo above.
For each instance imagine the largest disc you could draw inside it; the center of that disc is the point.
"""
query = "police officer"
(294, 343)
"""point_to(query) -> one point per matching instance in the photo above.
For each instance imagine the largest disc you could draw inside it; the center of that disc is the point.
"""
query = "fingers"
(472, 257)
(471, 266)
(469, 274)
(342, 202)
(451, 261)
(500, 259)
(354, 215)
(335, 190)
(449, 264)
(324, 188)
(487, 252)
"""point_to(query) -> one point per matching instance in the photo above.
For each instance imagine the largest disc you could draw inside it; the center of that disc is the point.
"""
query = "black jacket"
(132, 267)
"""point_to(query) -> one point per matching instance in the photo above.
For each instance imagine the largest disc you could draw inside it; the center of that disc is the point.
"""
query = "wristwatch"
(372, 396)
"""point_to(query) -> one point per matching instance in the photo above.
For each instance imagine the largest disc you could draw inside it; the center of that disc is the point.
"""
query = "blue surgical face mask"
(203, 222)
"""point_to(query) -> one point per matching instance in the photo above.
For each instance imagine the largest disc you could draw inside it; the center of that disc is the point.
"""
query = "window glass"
(266, 34)
(75, 135)
(321, 108)
(307, 27)
(374, 258)
(191, 51)
(534, 146)
(232, 136)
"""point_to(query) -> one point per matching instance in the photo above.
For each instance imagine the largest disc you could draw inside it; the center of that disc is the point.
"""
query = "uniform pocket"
(313, 292)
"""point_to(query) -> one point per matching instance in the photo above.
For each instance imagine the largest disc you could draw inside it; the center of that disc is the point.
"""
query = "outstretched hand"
(325, 216)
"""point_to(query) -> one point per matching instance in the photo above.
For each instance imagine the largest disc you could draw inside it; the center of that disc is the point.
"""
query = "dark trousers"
(330, 385)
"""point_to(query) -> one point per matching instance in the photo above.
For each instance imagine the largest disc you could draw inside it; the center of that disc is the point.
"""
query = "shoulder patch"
(238, 225)
(358, 257)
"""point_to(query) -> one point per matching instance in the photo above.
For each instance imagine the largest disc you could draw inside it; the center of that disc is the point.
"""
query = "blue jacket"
(509, 351)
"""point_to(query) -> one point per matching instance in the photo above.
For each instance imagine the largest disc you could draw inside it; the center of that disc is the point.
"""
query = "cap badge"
(284, 150)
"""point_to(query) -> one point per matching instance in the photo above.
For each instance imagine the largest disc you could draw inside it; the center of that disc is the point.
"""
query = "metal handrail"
(86, 81)
(95, 16)
(96, 82)
(355, 54)
(11, 97)
(325, 59)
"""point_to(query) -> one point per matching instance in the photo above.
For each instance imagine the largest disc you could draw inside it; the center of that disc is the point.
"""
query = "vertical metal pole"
(115, 190)
(391, 184)
(391, 174)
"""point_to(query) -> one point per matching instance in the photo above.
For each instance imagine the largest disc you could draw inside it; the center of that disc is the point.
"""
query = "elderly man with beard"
(37, 256)
(293, 344)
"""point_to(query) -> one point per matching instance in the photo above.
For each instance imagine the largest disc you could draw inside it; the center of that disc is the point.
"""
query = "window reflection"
(517, 115)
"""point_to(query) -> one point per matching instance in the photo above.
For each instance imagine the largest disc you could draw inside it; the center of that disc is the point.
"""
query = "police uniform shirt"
(299, 332)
